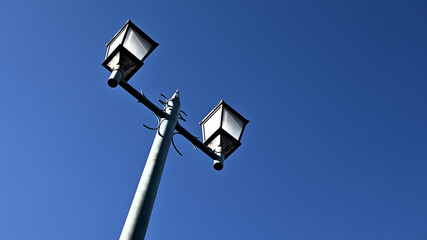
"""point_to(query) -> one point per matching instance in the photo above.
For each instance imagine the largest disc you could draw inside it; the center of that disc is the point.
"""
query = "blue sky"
(335, 92)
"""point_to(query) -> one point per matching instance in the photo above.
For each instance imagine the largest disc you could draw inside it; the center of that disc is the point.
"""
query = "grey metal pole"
(140, 211)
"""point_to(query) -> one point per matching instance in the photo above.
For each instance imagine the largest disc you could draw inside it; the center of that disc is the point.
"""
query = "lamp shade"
(223, 127)
(128, 49)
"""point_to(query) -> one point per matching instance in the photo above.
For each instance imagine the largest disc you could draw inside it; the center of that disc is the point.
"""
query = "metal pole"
(140, 211)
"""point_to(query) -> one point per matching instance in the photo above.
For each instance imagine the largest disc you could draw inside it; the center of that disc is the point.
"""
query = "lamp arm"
(196, 142)
(142, 99)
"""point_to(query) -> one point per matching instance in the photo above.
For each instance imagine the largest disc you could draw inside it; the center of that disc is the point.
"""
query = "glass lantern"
(223, 127)
(127, 50)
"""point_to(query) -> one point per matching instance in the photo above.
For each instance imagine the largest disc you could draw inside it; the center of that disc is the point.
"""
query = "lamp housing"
(223, 128)
(127, 50)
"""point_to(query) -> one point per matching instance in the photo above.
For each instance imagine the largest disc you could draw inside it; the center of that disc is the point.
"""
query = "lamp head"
(127, 50)
(222, 130)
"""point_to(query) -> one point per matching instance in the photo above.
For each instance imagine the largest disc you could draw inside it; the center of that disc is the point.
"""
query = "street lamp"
(222, 128)
(126, 53)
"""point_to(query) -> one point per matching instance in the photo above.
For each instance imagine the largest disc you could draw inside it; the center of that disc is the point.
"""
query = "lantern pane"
(136, 44)
(212, 124)
(232, 124)
(116, 42)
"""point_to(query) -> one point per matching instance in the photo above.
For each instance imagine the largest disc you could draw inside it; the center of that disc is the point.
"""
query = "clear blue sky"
(335, 92)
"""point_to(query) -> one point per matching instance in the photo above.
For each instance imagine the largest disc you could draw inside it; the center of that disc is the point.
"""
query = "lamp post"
(222, 128)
